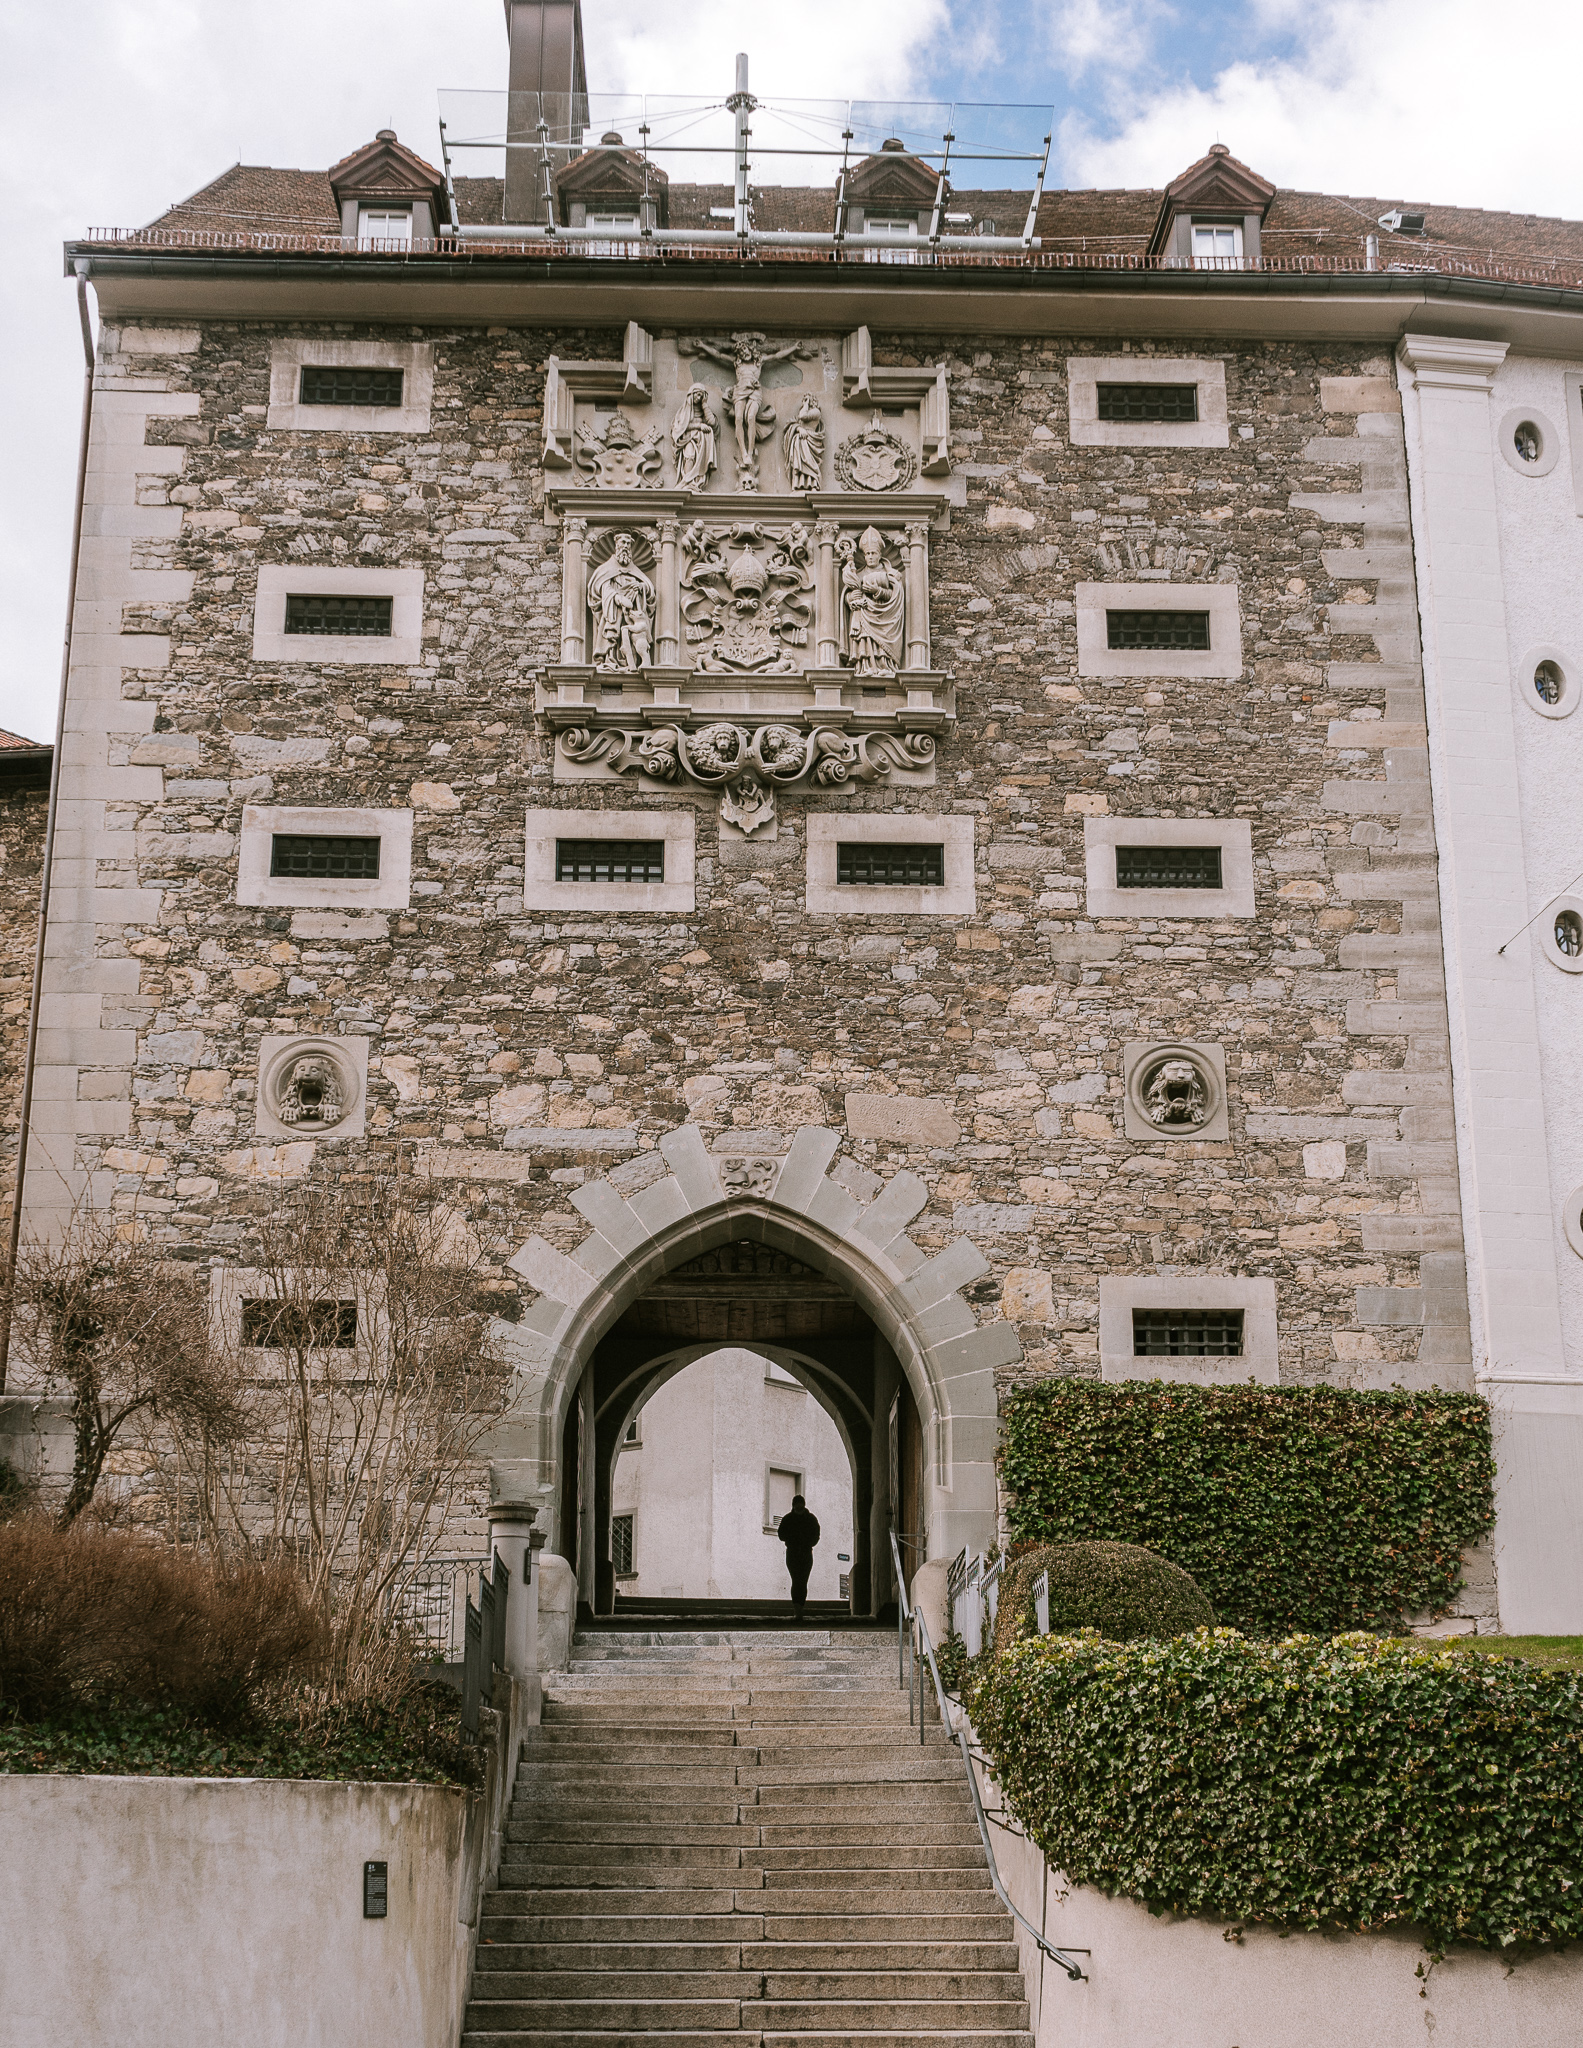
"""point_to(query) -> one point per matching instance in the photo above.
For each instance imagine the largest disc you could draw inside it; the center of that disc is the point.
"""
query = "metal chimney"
(547, 101)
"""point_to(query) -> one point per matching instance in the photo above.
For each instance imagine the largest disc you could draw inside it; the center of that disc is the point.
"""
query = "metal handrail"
(906, 1612)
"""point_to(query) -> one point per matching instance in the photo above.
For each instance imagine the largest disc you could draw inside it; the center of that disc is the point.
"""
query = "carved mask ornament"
(310, 1095)
(1174, 1094)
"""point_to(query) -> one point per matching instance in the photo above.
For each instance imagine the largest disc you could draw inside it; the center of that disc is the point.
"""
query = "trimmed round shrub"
(1120, 1589)
(1351, 1783)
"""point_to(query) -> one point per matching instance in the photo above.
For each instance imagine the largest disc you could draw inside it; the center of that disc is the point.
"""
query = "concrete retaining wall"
(187, 1912)
(1170, 1983)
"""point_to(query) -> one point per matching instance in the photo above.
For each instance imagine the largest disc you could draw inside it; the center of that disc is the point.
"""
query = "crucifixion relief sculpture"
(746, 355)
(693, 432)
(873, 605)
(621, 599)
(802, 444)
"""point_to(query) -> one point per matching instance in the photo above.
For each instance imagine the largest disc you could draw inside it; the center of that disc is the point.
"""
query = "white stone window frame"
(1523, 680)
(677, 829)
(230, 1286)
(1545, 925)
(1096, 657)
(792, 1472)
(290, 356)
(1260, 1360)
(1549, 440)
(1234, 837)
(277, 1050)
(1085, 374)
(402, 647)
(828, 830)
(391, 889)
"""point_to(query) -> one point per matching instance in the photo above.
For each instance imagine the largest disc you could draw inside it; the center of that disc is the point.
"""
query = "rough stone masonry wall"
(22, 817)
(1338, 1180)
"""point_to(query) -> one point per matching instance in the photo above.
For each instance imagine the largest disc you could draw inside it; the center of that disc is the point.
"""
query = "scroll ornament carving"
(617, 457)
(746, 353)
(748, 766)
(746, 597)
(875, 460)
(802, 445)
(621, 598)
(693, 436)
(873, 604)
(310, 1093)
(1174, 1094)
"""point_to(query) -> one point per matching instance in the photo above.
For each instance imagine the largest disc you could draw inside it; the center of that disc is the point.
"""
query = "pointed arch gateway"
(871, 1323)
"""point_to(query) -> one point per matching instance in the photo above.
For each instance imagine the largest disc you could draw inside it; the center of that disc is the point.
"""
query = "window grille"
(349, 384)
(621, 1545)
(1187, 1333)
(610, 860)
(1151, 403)
(1569, 934)
(1168, 867)
(359, 617)
(277, 1325)
(1549, 682)
(311, 857)
(1185, 630)
(869, 866)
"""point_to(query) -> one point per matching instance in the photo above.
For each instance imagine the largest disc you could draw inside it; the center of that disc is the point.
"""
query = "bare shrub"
(373, 1374)
(87, 1612)
(126, 1331)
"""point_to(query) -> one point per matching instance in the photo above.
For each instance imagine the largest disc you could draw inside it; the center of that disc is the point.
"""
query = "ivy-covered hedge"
(1293, 1507)
(1348, 1784)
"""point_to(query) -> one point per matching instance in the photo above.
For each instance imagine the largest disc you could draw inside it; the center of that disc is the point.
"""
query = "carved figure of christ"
(746, 358)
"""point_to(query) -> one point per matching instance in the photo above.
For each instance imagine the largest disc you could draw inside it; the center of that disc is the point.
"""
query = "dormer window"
(891, 227)
(379, 226)
(1217, 243)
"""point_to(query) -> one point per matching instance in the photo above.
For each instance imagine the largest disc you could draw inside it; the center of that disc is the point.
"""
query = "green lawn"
(1559, 1653)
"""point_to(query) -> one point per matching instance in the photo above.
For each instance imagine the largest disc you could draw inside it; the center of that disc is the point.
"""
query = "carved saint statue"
(752, 416)
(873, 605)
(693, 438)
(621, 598)
(802, 444)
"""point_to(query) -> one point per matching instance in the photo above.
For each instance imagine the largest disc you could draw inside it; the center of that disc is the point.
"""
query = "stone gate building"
(849, 775)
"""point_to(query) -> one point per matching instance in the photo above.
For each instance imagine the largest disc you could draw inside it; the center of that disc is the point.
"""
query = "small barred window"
(1148, 404)
(1187, 1333)
(867, 866)
(350, 384)
(610, 860)
(315, 857)
(293, 1325)
(1168, 867)
(1186, 631)
(363, 617)
(621, 1545)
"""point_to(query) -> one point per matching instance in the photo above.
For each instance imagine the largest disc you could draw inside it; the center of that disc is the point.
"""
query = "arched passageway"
(689, 1249)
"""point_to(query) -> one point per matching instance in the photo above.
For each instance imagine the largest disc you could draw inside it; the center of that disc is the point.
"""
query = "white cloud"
(1435, 100)
(112, 109)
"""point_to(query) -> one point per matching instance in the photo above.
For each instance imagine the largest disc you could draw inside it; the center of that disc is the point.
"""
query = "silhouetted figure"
(799, 1531)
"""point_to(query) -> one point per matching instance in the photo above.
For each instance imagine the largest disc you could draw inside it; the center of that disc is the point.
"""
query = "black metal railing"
(906, 1613)
(484, 1644)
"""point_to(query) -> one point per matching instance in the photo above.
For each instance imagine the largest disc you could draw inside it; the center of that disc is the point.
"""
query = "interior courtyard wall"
(516, 1055)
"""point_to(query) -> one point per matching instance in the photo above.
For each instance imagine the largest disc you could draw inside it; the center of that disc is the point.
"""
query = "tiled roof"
(15, 739)
(254, 196)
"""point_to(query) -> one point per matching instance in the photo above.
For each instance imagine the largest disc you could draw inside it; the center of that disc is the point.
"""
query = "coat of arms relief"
(745, 594)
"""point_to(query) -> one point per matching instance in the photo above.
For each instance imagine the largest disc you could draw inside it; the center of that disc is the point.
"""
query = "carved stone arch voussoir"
(790, 1203)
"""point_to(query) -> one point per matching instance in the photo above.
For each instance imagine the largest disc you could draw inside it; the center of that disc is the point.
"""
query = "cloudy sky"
(111, 109)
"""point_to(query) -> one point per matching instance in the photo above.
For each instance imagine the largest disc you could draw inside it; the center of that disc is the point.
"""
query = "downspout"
(31, 1052)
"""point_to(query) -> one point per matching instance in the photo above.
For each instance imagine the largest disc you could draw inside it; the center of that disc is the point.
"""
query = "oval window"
(1528, 441)
(1569, 934)
(1549, 682)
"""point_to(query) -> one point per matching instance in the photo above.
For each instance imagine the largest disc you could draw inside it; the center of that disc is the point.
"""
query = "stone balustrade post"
(574, 594)
(918, 594)
(513, 1538)
(827, 626)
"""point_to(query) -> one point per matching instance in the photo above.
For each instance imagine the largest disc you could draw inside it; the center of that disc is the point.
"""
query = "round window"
(1528, 441)
(1549, 682)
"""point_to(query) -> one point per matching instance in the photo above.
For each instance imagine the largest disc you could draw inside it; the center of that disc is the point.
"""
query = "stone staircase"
(739, 1834)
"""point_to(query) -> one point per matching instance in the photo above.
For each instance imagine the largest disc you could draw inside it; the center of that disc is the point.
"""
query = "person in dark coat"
(799, 1531)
